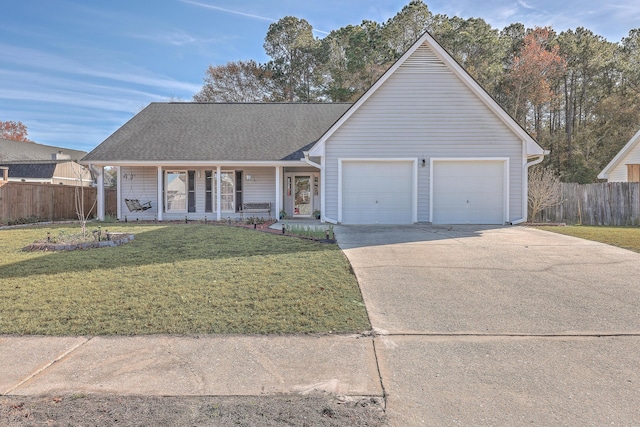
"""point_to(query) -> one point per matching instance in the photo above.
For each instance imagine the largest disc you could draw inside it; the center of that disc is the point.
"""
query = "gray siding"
(422, 111)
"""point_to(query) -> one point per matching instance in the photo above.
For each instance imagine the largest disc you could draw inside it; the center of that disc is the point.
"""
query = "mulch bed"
(113, 239)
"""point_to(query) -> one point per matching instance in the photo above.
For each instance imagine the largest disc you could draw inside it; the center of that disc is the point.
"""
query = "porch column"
(218, 197)
(100, 193)
(278, 191)
(160, 202)
(119, 192)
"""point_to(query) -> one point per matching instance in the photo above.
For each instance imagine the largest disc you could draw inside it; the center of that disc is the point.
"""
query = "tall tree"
(291, 44)
(532, 73)
(16, 131)
(242, 81)
(401, 31)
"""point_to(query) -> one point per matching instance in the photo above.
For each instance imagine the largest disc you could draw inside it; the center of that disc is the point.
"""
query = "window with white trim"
(176, 191)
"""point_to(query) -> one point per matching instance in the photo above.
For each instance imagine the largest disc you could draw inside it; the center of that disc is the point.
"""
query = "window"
(208, 191)
(227, 192)
(633, 173)
(192, 191)
(176, 194)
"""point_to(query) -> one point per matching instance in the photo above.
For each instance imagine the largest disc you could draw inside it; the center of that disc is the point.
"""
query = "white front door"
(302, 200)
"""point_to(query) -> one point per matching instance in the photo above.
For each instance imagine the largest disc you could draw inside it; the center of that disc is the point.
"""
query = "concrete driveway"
(500, 325)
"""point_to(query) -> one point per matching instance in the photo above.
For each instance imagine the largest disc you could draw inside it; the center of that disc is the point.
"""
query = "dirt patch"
(107, 410)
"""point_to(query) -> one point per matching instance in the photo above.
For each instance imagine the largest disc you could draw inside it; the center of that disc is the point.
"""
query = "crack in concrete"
(40, 370)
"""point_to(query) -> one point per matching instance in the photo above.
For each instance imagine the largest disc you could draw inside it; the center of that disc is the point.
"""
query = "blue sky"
(74, 71)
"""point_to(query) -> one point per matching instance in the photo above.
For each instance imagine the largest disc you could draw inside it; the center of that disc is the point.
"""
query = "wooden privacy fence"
(49, 202)
(605, 203)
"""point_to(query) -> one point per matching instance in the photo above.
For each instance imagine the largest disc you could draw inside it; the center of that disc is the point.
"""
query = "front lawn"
(623, 237)
(177, 279)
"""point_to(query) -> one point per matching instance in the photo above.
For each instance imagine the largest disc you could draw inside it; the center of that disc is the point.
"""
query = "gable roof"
(620, 156)
(19, 151)
(532, 147)
(31, 170)
(190, 131)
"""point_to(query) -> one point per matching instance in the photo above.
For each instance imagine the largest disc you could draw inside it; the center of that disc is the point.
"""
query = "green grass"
(177, 279)
(623, 237)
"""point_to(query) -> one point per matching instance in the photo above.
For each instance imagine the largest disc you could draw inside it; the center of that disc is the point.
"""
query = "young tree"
(242, 81)
(15, 131)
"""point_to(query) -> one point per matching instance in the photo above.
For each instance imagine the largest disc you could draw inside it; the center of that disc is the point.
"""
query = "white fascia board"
(621, 154)
(532, 146)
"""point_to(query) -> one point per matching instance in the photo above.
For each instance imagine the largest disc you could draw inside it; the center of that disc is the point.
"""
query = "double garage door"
(463, 192)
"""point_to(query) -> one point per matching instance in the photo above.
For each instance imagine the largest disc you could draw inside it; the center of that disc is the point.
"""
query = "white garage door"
(468, 192)
(377, 192)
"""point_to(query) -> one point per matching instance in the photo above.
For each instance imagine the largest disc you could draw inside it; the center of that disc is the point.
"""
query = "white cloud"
(234, 12)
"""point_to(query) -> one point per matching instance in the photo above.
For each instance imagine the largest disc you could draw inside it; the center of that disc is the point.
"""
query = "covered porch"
(213, 192)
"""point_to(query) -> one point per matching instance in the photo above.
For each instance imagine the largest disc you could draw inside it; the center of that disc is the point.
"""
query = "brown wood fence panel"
(605, 203)
(49, 202)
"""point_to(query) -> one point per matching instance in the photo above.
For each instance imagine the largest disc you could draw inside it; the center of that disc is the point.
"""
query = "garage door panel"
(377, 192)
(468, 192)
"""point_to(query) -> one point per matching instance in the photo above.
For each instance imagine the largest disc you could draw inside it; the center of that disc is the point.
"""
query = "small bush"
(26, 220)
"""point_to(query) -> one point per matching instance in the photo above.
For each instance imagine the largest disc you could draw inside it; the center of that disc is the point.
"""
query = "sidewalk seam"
(47, 366)
(463, 334)
(384, 390)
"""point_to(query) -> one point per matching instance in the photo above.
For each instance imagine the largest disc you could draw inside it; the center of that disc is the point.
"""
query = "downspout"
(306, 159)
(525, 175)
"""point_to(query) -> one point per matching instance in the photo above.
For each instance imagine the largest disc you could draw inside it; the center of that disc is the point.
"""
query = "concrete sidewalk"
(189, 366)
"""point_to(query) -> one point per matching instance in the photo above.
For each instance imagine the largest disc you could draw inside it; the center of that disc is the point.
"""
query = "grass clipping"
(179, 279)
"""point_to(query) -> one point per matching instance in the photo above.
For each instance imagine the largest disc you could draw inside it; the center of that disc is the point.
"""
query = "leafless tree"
(545, 191)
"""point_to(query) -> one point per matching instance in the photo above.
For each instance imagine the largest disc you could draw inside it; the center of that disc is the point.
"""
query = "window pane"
(176, 191)
(227, 192)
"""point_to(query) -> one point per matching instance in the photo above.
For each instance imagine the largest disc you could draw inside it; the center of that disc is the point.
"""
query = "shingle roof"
(31, 170)
(18, 151)
(218, 131)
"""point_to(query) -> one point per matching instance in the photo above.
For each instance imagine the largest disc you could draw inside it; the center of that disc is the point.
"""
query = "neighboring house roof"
(532, 147)
(31, 170)
(218, 132)
(19, 151)
(633, 142)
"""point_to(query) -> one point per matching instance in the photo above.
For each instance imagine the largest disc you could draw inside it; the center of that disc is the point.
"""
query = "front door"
(302, 202)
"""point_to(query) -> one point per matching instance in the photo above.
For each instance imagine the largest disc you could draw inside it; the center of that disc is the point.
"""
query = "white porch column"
(100, 193)
(278, 191)
(119, 193)
(218, 197)
(160, 202)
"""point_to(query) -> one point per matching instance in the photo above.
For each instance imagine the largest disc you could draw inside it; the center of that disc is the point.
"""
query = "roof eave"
(192, 163)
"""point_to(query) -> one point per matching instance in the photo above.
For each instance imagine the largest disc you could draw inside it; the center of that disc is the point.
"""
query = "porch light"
(424, 162)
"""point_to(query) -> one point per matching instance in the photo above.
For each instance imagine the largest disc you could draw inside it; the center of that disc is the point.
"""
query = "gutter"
(309, 162)
(315, 165)
(538, 159)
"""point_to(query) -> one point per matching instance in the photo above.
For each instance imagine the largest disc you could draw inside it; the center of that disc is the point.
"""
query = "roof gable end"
(532, 147)
(620, 156)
